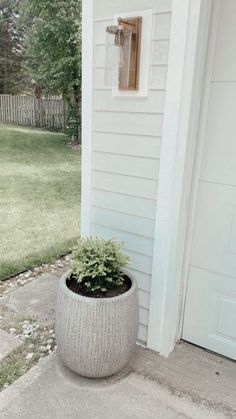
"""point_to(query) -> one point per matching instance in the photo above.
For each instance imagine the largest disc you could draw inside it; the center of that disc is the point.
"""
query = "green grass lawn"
(39, 197)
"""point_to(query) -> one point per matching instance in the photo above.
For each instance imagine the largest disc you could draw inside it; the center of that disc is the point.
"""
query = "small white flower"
(29, 355)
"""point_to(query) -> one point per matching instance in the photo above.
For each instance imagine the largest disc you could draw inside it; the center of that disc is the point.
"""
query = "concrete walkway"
(50, 391)
(190, 383)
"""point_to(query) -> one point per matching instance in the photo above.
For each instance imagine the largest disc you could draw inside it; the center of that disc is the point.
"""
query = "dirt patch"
(74, 146)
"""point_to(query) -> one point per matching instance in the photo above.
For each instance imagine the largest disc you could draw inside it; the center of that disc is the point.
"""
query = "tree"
(53, 44)
(13, 78)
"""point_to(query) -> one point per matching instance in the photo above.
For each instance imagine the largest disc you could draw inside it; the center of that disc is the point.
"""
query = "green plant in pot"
(97, 310)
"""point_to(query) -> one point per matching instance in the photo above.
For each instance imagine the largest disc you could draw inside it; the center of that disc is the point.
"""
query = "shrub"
(97, 264)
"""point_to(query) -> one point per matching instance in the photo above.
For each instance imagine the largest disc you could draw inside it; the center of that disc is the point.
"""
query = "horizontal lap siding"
(128, 123)
(127, 204)
(134, 242)
(133, 145)
(124, 222)
(126, 148)
(126, 165)
(140, 263)
(105, 9)
(128, 185)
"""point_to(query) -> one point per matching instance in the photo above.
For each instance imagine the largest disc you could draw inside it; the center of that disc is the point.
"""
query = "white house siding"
(126, 147)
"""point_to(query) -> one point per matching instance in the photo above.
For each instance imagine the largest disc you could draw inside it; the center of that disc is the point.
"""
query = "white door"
(210, 311)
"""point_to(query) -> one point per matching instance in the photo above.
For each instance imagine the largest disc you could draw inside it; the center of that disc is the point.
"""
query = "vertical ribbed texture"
(95, 337)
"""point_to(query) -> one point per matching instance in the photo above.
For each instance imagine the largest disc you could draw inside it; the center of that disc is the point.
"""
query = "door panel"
(219, 155)
(210, 315)
(210, 310)
(214, 234)
(224, 65)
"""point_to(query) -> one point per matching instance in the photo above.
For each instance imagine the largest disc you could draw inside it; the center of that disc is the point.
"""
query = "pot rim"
(62, 284)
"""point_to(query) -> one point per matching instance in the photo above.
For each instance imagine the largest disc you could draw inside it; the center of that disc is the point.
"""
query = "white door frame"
(198, 156)
(186, 68)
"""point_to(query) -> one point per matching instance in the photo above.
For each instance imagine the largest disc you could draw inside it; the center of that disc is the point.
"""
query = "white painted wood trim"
(173, 194)
(87, 114)
(196, 158)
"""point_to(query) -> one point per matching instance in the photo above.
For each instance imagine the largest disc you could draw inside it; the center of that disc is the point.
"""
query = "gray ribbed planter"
(96, 336)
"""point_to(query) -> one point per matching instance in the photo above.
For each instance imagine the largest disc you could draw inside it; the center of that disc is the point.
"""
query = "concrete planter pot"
(96, 336)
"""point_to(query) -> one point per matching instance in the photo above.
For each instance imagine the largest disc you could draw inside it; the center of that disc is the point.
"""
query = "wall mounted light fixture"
(123, 53)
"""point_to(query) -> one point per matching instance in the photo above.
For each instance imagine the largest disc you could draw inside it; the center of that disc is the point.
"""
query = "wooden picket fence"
(50, 113)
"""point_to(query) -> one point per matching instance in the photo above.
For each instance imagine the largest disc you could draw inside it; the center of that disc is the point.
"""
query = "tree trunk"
(77, 101)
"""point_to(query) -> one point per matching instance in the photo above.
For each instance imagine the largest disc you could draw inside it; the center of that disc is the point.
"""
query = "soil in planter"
(73, 285)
